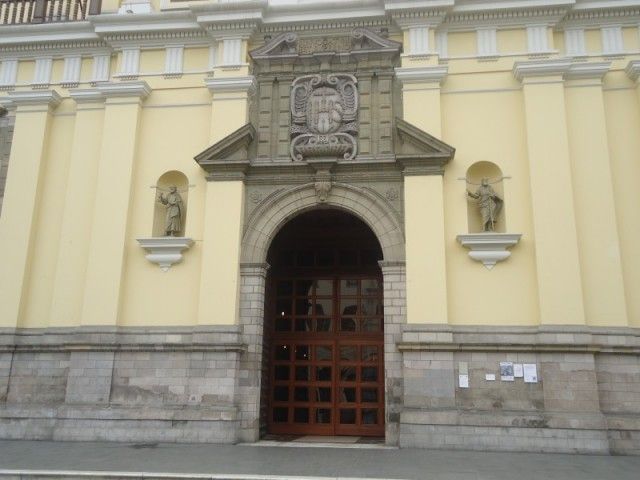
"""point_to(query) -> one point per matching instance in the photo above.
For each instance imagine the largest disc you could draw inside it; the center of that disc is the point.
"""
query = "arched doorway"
(323, 331)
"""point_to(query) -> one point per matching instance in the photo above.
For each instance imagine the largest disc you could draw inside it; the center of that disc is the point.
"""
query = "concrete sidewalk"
(286, 462)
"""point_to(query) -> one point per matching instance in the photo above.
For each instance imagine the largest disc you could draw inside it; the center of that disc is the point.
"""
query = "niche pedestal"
(165, 251)
(489, 248)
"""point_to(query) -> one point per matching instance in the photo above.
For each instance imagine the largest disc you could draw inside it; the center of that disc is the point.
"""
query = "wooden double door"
(326, 370)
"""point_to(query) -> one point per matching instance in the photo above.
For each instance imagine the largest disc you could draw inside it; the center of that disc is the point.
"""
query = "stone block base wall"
(201, 384)
(136, 385)
(586, 400)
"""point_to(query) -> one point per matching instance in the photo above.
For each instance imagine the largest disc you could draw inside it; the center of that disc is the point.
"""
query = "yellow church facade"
(412, 220)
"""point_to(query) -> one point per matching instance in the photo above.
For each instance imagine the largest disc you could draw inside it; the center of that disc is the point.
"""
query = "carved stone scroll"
(324, 113)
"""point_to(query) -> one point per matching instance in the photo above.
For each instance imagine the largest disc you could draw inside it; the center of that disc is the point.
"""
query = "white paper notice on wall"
(490, 377)
(530, 373)
(518, 371)
(463, 381)
(506, 371)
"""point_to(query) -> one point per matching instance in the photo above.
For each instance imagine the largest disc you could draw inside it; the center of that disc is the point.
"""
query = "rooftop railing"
(16, 12)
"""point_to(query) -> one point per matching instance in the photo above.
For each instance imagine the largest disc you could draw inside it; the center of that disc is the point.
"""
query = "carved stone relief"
(324, 116)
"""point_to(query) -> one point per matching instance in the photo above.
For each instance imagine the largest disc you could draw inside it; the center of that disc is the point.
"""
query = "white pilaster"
(612, 43)
(574, 42)
(173, 60)
(537, 39)
(101, 64)
(487, 44)
(130, 63)
(71, 71)
(213, 56)
(442, 44)
(419, 40)
(232, 51)
(42, 72)
(8, 72)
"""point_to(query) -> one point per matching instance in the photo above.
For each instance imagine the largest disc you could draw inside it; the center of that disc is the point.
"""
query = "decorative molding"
(50, 98)
(595, 70)
(489, 248)
(231, 84)
(86, 95)
(435, 74)
(139, 89)
(633, 70)
(71, 71)
(418, 152)
(165, 251)
(540, 68)
(228, 159)
(562, 66)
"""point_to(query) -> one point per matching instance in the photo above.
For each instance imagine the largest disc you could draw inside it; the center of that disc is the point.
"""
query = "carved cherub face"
(172, 188)
(485, 182)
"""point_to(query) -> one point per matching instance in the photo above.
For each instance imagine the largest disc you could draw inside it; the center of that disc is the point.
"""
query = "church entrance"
(324, 325)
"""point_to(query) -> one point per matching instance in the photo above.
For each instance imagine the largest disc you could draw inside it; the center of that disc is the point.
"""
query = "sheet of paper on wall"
(506, 371)
(490, 377)
(463, 381)
(530, 373)
(518, 371)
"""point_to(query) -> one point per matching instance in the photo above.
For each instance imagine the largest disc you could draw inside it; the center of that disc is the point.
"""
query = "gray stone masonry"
(121, 384)
(587, 398)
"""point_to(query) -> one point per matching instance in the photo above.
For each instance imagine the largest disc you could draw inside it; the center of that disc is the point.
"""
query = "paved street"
(285, 462)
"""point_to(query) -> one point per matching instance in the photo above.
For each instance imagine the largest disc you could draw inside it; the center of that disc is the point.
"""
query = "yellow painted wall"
(480, 109)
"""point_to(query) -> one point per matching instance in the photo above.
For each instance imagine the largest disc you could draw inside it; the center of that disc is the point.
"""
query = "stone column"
(600, 261)
(105, 263)
(252, 292)
(395, 315)
(558, 264)
(26, 166)
(424, 202)
(80, 196)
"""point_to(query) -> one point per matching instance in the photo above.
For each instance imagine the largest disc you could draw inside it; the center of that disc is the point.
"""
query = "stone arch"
(266, 220)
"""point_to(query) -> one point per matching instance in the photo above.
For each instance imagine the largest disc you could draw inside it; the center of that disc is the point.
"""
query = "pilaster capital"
(48, 98)
(588, 70)
(138, 89)
(540, 68)
(86, 95)
(435, 74)
(633, 70)
(244, 84)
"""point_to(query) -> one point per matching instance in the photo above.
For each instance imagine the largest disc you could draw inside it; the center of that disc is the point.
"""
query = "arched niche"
(168, 179)
(475, 174)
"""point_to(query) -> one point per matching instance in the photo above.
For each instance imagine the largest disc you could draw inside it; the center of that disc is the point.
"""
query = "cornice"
(86, 95)
(434, 74)
(587, 70)
(633, 70)
(231, 84)
(541, 68)
(139, 89)
(49, 98)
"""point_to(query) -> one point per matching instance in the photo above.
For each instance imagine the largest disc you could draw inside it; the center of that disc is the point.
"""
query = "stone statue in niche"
(489, 203)
(175, 210)
(324, 111)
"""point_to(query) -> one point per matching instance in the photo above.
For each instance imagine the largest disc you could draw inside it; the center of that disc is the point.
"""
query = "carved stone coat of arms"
(324, 111)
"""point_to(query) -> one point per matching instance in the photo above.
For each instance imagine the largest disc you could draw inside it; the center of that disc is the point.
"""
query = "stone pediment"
(289, 47)
(418, 151)
(230, 155)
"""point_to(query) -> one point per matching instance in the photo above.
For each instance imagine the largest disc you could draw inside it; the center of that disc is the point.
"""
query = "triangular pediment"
(229, 154)
(290, 47)
(416, 148)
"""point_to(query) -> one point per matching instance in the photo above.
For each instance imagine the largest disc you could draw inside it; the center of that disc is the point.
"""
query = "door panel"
(327, 369)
